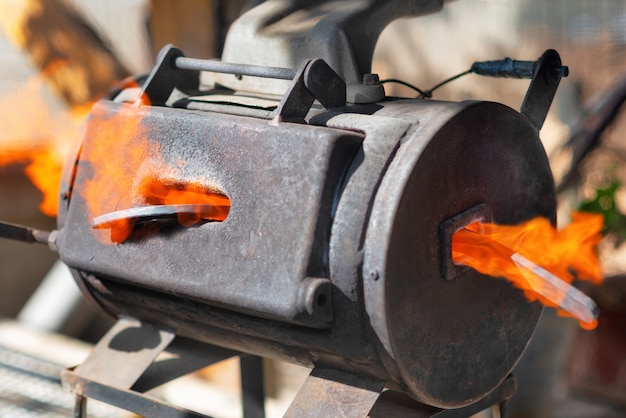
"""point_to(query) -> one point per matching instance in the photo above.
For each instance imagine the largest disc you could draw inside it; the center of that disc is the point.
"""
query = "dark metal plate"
(453, 341)
(269, 257)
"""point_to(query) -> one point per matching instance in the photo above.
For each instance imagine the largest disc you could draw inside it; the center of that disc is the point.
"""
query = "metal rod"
(23, 233)
(80, 407)
(185, 63)
(252, 388)
(561, 293)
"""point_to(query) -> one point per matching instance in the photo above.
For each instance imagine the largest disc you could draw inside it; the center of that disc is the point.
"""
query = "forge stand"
(124, 365)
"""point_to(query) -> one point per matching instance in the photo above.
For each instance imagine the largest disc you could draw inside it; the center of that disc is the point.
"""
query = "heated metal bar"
(155, 212)
(564, 295)
(195, 64)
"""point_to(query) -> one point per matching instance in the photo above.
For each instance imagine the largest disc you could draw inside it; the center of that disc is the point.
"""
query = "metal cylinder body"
(363, 270)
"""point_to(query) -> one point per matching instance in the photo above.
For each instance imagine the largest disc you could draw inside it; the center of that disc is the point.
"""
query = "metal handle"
(215, 66)
(23, 233)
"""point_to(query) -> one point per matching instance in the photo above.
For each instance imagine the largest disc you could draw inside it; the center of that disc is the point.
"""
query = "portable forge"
(277, 203)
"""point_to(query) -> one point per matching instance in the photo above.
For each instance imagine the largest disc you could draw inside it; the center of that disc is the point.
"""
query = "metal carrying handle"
(215, 66)
(314, 80)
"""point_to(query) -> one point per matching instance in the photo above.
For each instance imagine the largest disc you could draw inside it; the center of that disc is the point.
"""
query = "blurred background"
(58, 56)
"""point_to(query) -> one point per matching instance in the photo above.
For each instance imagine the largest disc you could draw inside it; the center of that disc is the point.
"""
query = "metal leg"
(502, 407)
(252, 386)
(333, 393)
(124, 353)
(122, 365)
(80, 407)
(393, 404)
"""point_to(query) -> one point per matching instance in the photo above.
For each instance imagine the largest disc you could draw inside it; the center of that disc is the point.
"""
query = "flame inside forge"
(127, 172)
(172, 192)
(538, 259)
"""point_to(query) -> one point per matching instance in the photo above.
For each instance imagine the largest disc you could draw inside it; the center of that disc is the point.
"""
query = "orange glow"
(45, 173)
(116, 149)
(127, 171)
(37, 132)
(163, 192)
(113, 159)
(43, 167)
(567, 254)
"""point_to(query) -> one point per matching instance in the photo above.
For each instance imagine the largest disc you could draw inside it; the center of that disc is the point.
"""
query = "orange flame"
(43, 168)
(37, 132)
(164, 192)
(44, 172)
(567, 254)
(113, 171)
(128, 172)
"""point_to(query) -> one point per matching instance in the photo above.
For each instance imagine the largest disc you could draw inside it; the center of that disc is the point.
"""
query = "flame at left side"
(38, 136)
(40, 120)
(126, 171)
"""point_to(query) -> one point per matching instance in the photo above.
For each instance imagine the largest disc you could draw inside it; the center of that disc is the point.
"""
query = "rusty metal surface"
(421, 163)
(282, 182)
(439, 332)
(331, 393)
(124, 353)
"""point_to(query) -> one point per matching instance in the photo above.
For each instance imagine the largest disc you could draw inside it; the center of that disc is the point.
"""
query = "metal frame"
(122, 367)
(125, 364)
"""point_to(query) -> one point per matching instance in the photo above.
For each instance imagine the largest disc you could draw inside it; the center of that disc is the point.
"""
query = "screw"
(371, 79)
(561, 71)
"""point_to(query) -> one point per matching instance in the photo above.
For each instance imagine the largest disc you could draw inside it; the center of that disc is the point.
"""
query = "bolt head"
(370, 79)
